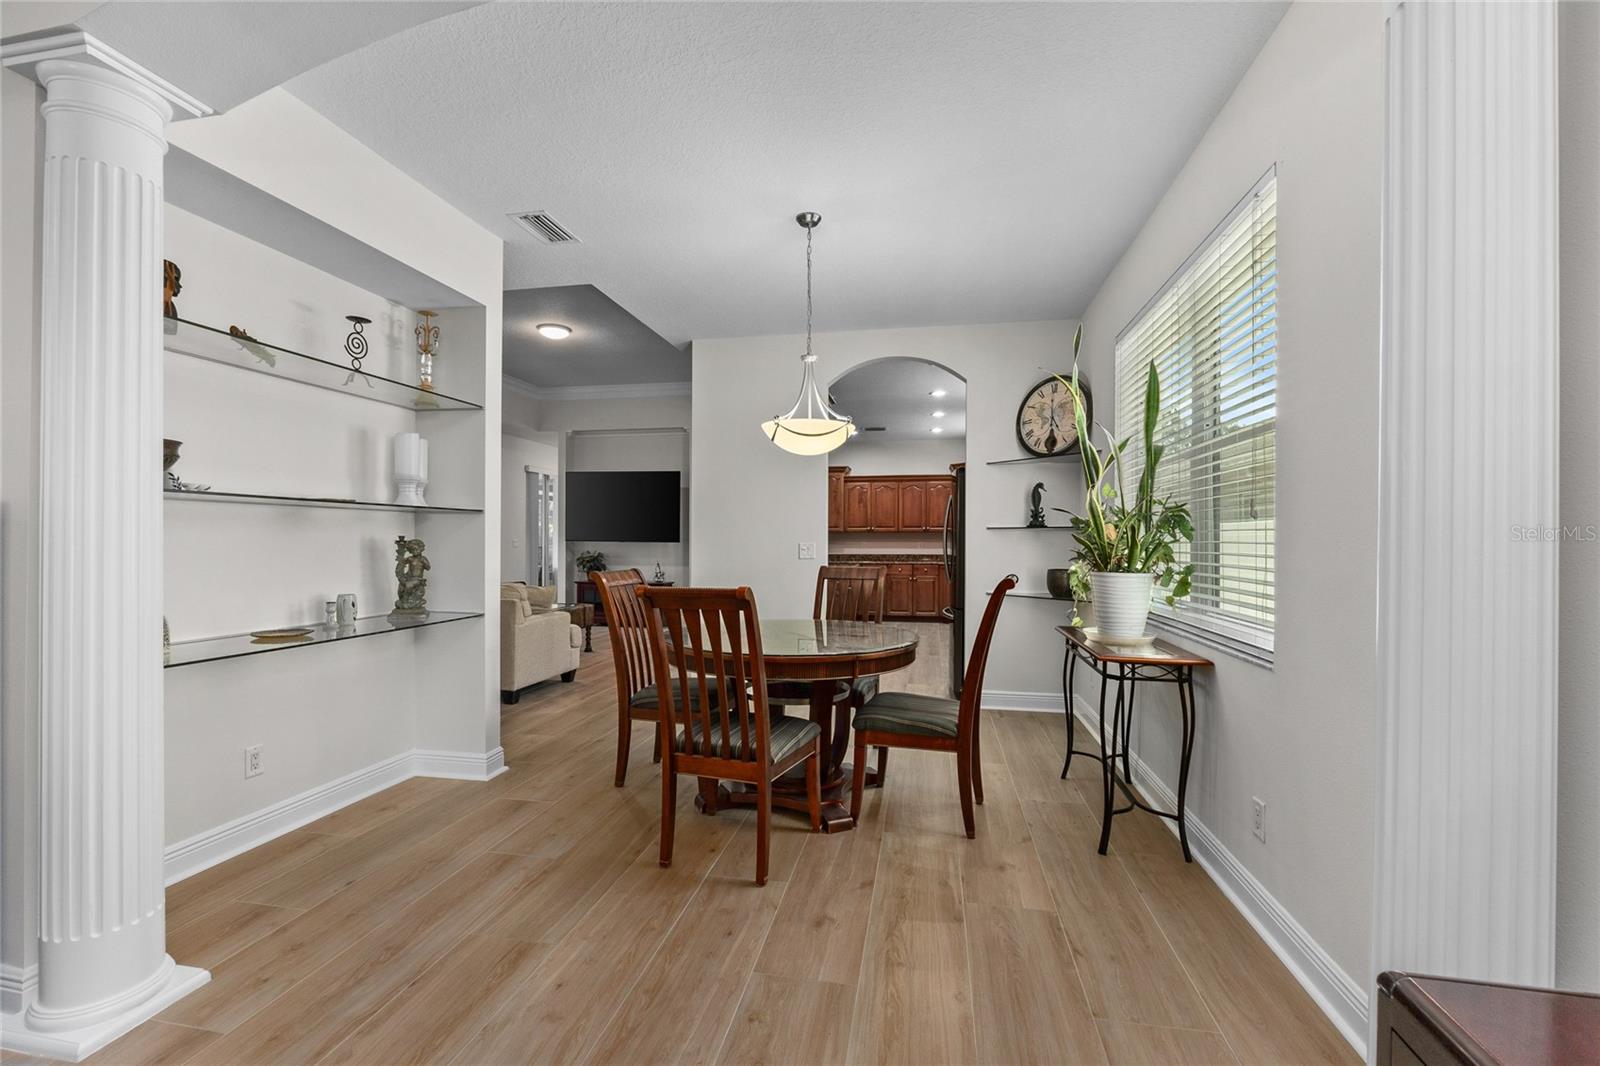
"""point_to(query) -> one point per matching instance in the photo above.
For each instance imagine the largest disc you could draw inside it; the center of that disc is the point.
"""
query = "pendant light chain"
(809, 357)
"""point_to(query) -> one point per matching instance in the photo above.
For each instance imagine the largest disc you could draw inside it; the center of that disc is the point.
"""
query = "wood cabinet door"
(835, 502)
(897, 595)
(938, 497)
(913, 505)
(924, 596)
(885, 506)
(857, 505)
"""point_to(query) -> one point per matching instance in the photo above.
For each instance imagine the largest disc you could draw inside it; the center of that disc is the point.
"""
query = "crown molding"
(640, 391)
(25, 52)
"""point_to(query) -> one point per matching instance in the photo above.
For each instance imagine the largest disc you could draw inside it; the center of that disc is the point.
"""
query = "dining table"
(815, 655)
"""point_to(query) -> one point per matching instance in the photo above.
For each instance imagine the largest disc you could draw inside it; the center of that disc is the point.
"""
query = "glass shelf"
(1070, 453)
(203, 342)
(210, 649)
(1066, 529)
(1031, 594)
(311, 501)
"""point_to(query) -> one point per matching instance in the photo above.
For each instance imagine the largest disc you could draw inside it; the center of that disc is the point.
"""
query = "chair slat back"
(625, 618)
(972, 683)
(850, 593)
(703, 638)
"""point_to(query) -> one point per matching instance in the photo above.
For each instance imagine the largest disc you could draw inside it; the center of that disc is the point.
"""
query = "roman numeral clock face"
(1045, 421)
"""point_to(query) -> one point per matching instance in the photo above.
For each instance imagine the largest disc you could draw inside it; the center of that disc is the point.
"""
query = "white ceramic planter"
(1121, 604)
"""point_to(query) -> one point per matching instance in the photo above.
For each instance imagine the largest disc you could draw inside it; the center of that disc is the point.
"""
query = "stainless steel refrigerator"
(955, 568)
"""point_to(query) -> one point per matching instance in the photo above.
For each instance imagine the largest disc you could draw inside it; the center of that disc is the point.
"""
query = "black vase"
(1055, 580)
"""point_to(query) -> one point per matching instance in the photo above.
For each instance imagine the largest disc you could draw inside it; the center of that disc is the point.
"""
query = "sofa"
(537, 641)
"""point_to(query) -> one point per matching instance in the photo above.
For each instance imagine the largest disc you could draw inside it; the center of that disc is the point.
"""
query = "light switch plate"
(808, 550)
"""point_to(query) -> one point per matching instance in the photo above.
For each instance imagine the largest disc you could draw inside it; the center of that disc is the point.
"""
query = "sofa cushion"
(539, 595)
(787, 734)
(911, 713)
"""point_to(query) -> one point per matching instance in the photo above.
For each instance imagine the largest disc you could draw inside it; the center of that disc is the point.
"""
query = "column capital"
(26, 53)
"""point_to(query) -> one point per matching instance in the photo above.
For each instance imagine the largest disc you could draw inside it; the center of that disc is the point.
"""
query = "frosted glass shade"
(808, 436)
(410, 469)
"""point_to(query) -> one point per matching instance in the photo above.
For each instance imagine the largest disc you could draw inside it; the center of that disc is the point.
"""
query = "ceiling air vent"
(545, 228)
(873, 429)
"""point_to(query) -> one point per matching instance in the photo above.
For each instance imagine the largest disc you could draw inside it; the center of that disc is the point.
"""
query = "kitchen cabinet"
(897, 591)
(925, 579)
(940, 489)
(918, 591)
(913, 504)
(885, 506)
(857, 505)
(836, 476)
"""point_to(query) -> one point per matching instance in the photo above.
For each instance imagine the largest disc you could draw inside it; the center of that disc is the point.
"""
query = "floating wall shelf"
(1066, 529)
(183, 337)
(233, 646)
(1026, 594)
(311, 501)
(1071, 454)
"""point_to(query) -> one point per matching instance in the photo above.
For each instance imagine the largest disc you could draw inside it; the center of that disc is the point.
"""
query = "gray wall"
(1301, 735)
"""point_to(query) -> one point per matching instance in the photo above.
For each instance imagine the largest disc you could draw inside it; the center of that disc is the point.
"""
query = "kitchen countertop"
(854, 558)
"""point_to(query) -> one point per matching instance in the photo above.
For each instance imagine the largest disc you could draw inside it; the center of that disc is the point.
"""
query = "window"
(1212, 334)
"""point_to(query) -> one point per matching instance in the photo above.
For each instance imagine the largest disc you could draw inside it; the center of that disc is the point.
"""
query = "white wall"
(752, 503)
(1301, 735)
(517, 454)
(1578, 827)
(866, 454)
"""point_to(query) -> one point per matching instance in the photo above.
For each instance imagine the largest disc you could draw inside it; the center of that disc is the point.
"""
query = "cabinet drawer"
(928, 569)
(901, 569)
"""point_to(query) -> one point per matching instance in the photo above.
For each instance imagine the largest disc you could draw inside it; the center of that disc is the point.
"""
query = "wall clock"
(1045, 424)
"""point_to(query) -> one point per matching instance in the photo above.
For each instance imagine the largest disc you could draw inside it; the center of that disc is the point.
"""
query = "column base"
(75, 1045)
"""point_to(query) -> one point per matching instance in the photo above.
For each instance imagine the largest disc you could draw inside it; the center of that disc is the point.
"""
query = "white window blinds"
(1212, 334)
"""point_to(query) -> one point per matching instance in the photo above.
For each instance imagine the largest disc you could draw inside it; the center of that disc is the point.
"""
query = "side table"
(582, 615)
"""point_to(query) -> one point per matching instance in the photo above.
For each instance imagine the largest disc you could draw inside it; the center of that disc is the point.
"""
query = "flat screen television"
(627, 505)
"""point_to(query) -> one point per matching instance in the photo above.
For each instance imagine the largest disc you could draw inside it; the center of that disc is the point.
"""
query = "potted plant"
(1125, 546)
(589, 562)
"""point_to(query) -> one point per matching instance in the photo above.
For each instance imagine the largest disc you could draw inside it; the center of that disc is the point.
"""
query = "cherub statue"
(1036, 508)
(410, 570)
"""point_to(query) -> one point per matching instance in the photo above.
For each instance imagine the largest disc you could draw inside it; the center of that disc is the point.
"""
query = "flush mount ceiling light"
(810, 427)
(554, 330)
(938, 414)
(938, 394)
(936, 429)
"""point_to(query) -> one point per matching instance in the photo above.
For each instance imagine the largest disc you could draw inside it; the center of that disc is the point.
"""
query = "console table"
(1159, 662)
(1443, 1021)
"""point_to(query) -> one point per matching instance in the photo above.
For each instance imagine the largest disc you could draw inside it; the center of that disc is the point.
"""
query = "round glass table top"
(811, 637)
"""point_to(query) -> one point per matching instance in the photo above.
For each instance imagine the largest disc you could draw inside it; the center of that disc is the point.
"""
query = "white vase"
(422, 482)
(410, 469)
(1121, 604)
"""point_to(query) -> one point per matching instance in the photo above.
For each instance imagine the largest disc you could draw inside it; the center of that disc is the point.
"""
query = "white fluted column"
(1468, 531)
(103, 964)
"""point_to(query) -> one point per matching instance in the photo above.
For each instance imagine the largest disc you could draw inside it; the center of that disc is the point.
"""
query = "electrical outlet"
(252, 760)
(1258, 824)
(808, 550)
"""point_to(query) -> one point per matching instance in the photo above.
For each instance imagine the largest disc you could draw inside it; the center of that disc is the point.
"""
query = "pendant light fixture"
(810, 427)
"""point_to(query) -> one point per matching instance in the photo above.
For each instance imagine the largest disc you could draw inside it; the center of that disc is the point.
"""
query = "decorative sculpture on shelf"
(1036, 507)
(410, 574)
(171, 286)
(355, 346)
(427, 348)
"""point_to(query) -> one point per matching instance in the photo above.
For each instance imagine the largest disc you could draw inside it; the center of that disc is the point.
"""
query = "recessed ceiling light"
(937, 429)
(938, 394)
(554, 330)
(938, 414)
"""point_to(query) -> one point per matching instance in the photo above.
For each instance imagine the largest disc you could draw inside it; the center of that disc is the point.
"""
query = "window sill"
(1232, 646)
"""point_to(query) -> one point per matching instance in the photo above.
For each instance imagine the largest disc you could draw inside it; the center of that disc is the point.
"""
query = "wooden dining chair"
(935, 723)
(716, 633)
(853, 594)
(637, 699)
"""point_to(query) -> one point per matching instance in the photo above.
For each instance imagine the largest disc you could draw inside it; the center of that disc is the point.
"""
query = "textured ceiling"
(972, 162)
(894, 394)
(608, 346)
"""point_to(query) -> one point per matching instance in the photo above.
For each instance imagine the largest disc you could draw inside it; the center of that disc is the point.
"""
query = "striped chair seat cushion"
(649, 697)
(788, 734)
(865, 689)
(910, 713)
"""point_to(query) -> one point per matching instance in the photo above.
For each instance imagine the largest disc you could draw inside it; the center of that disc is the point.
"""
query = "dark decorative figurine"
(171, 286)
(1036, 508)
(355, 345)
(410, 573)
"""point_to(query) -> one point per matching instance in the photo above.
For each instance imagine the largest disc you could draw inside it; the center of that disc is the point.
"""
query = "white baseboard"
(1342, 999)
(461, 765)
(16, 986)
(188, 857)
(1001, 700)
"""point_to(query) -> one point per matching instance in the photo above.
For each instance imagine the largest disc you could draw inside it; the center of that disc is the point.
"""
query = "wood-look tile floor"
(526, 920)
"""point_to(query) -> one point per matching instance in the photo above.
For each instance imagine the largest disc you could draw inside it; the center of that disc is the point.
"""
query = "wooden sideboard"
(1441, 1021)
(895, 503)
